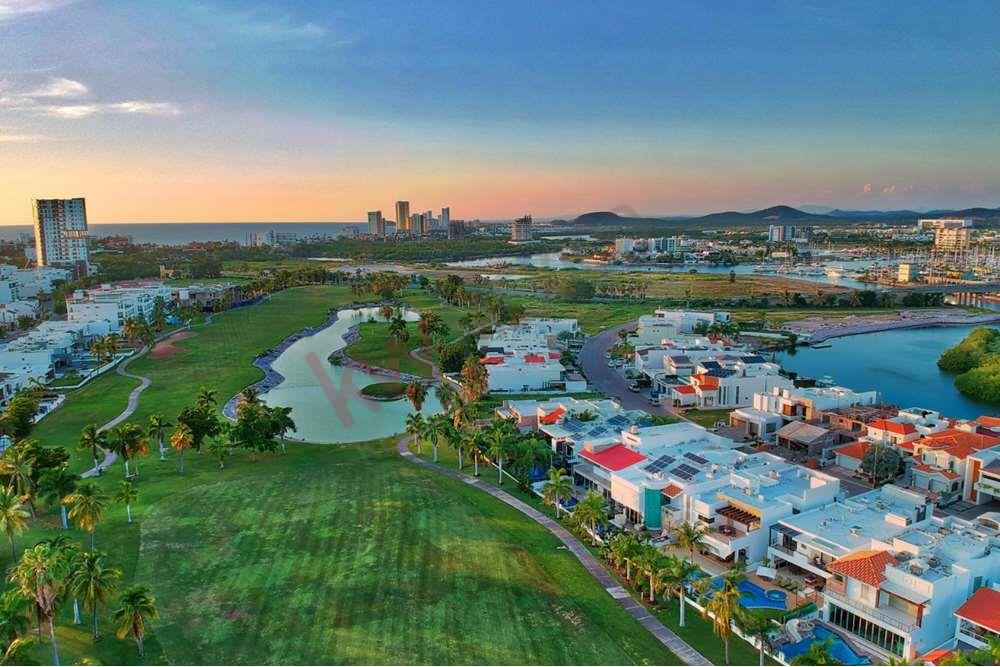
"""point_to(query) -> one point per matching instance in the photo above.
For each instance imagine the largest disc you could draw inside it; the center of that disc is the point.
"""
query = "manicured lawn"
(593, 317)
(340, 554)
(707, 418)
(385, 390)
(377, 349)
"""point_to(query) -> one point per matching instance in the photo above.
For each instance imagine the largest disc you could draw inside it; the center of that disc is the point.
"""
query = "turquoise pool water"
(753, 596)
(839, 649)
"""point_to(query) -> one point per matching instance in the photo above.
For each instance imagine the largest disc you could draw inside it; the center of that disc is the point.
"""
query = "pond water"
(326, 406)
(553, 260)
(900, 364)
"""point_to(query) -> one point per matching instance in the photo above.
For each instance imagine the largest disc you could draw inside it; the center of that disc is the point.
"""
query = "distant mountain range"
(780, 214)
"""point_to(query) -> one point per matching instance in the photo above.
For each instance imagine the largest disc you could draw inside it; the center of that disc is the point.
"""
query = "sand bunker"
(166, 348)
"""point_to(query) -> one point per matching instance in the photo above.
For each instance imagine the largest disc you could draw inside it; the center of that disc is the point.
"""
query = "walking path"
(678, 646)
(133, 402)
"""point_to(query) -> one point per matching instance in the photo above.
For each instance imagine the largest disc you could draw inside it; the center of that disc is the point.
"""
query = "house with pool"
(771, 410)
(899, 597)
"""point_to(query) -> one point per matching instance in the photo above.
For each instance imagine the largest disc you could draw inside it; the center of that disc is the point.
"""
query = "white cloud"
(140, 107)
(71, 111)
(12, 138)
(12, 9)
(59, 87)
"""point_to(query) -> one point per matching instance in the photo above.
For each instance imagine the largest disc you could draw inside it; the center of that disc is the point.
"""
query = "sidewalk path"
(680, 648)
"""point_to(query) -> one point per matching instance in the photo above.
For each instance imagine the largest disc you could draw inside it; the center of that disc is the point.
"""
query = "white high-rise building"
(376, 224)
(445, 222)
(520, 230)
(61, 232)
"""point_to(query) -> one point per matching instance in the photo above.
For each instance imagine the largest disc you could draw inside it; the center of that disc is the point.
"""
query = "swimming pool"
(753, 596)
(839, 649)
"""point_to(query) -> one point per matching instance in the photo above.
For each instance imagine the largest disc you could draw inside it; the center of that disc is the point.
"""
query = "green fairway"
(377, 349)
(327, 554)
(385, 390)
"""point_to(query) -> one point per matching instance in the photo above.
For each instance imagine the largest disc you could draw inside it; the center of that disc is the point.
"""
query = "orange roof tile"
(959, 443)
(904, 428)
(856, 450)
(705, 381)
(990, 422)
(936, 656)
(534, 359)
(684, 389)
(866, 566)
(672, 491)
(492, 360)
(981, 609)
(553, 416)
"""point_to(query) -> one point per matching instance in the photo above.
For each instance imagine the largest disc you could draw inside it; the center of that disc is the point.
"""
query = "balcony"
(800, 559)
(883, 615)
(989, 486)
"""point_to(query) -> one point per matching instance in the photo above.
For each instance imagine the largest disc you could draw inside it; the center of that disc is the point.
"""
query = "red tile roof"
(936, 656)
(866, 566)
(904, 428)
(959, 443)
(908, 446)
(617, 457)
(934, 470)
(553, 416)
(856, 450)
(684, 389)
(989, 422)
(534, 359)
(705, 381)
(672, 491)
(555, 355)
(981, 609)
(492, 360)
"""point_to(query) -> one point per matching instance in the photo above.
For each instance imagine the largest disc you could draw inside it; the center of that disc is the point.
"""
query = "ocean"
(179, 233)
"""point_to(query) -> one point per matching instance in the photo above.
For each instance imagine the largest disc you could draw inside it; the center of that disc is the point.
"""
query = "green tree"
(475, 379)
(136, 608)
(690, 537)
(758, 627)
(677, 574)
(86, 508)
(881, 463)
(416, 426)
(818, 654)
(557, 488)
(40, 575)
(181, 440)
(157, 428)
(590, 513)
(126, 495)
(647, 562)
(93, 581)
(416, 393)
(13, 516)
(94, 441)
(56, 485)
(722, 608)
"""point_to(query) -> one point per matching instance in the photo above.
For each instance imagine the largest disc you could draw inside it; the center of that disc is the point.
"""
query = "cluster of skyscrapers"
(416, 224)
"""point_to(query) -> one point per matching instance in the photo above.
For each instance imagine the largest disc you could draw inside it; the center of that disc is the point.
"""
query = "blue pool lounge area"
(839, 649)
(753, 596)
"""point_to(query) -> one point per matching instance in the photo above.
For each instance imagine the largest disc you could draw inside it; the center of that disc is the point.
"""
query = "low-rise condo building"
(664, 323)
(771, 410)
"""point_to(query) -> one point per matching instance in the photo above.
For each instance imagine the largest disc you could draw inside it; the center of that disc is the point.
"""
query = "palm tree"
(475, 379)
(416, 392)
(589, 512)
(17, 466)
(558, 487)
(57, 485)
(182, 439)
(128, 442)
(416, 427)
(818, 654)
(756, 626)
(127, 494)
(86, 508)
(679, 572)
(690, 537)
(69, 550)
(465, 443)
(94, 441)
(40, 576)
(646, 561)
(14, 611)
(250, 395)
(219, 448)
(13, 516)
(281, 420)
(736, 573)
(398, 331)
(93, 581)
(624, 547)
(437, 429)
(722, 608)
(496, 443)
(137, 607)
(157, 428)
(450, 400)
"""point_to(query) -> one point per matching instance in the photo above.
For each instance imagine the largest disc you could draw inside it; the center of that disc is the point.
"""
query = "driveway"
(610, 380)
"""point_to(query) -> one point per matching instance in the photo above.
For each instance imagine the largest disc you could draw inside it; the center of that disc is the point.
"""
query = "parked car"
(633, 387)
(611, 363)
(654, 399)
(607, 355)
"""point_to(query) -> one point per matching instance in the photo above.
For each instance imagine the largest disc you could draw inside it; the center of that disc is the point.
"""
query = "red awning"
(534, 359)
(492, 360)
(614, 458)
(553, 416)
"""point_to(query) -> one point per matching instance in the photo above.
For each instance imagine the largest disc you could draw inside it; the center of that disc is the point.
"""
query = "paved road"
(678, 646)
(609, 380)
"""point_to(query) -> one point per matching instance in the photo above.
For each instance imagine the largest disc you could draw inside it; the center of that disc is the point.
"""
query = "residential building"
(770, 411)
(952, 238)
(445, 221)
(376, 224)
(403, 218)
(115, 304)
(569, 423)
(780, 233)
(22, 284)
(624, 246)
(663, 323)
(900, 594)
(520, 230)
(907, 272)
(728, 382)
(525, 356)
(979, 618)
(943, 462)
(61, 233)
(456, 230)
(664, 244)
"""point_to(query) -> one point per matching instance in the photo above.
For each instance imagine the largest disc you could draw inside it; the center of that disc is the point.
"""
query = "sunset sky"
(272, 111)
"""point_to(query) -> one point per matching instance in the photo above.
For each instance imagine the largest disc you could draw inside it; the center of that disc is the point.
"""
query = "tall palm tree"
(126, 495)
(156, 429)
(756, 626)
(14, 612)
(465, 444)
(250, 395)
(589, 512)
(86, 508)
(496, 443)
(17, 465)
(40, 576)
(94, 441)
(93, 581)
(56, 485)
(475, 379)
(624, 547)
(181, 440)
(69, 550)
(690, 537)
(416, 392)
(437, 430)
(13, 516)
(416, 426)
(558, 487)
(647, 562)
(137, 607)
(281, 420)
(679, 572)
(205, 398)
(722, 608)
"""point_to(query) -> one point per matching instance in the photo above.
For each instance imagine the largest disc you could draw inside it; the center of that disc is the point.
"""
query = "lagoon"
(900, 364)
(326, 405)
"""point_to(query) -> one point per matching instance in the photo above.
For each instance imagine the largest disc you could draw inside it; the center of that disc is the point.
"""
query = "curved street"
(608, 380)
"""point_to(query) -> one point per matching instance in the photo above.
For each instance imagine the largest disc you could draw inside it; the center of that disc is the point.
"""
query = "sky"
(318, 111)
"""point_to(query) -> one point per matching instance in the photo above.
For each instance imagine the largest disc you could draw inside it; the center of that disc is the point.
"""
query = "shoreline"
(823, 334)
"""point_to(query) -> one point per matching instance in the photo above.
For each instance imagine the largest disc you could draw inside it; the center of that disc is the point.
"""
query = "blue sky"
(297, 110)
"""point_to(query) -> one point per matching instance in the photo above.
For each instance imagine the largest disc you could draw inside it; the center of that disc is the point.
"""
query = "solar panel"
(659, 464)
(697, 459)
(618, 420)
(573, 425)
(685, 472)
(600, 430)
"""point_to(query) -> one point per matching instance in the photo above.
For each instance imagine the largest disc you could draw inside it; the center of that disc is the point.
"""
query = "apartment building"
(665, 323)
(115, 304)
(770, 411)
(526, 356)
(61, 233)
(946, 464)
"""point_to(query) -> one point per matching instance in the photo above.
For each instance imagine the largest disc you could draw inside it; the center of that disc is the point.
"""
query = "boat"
(834, 272)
